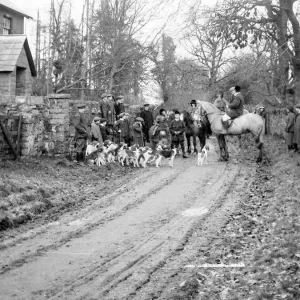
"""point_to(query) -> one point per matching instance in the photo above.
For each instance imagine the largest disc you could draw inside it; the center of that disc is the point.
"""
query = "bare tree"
(207, 45)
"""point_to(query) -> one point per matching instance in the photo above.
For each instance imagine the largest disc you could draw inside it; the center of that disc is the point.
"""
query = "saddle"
(228, 123)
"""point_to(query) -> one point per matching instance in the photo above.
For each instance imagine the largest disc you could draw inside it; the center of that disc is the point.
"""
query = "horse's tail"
(260, 137)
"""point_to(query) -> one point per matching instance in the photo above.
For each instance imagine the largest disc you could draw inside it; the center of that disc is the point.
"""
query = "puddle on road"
(195, 212)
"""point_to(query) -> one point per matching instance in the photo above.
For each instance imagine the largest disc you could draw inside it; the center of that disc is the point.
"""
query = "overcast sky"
(31, 7)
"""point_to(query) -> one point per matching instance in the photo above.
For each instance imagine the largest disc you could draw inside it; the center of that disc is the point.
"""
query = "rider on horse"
(236, 106)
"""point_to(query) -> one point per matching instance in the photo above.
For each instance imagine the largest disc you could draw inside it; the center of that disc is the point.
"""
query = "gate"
(11, 129)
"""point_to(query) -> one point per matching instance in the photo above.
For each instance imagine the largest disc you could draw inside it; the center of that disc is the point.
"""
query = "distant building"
(11, 18)
(16, 67)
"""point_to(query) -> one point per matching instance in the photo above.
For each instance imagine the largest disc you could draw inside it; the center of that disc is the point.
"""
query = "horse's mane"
(206, 103)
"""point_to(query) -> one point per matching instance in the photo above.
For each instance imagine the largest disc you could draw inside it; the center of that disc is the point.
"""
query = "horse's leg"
(195, 143)
(260, 144)
(223, 148)
(188, 141)
(220, 146)
(202, 140)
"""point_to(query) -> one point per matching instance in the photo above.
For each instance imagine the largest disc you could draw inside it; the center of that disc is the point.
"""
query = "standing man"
(147, 116)
(108, 111)
(95, 131)
(122, 126)
(137, 131)
(177, 130)
(82, 133)
(119, 106)
(236, 107)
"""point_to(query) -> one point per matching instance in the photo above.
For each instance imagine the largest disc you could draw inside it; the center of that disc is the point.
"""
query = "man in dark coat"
(147, 116)
(289, 129)
(122, 126)
(104, 130)
(177, 130)
(119, 106)
(296, 138)
(137, 131)
(235, 108)
(82, 132)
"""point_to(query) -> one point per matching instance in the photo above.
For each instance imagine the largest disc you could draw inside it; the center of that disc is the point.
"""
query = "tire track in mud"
(105, 203)
(143, 258)
(164, 282)
(124, 274)
(116, 291)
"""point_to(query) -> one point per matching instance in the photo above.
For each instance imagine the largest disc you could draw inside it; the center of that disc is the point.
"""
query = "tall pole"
(49, 71)
(38, 44)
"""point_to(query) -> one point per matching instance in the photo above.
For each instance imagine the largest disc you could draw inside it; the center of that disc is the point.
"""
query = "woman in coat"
(296, 138)
(137, 131)
(289, 129)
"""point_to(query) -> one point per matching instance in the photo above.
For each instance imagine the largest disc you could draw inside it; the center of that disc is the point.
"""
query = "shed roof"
(10, 49)
(12, 6)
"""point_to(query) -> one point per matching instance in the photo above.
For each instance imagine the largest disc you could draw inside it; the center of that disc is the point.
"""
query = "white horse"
(246, 123)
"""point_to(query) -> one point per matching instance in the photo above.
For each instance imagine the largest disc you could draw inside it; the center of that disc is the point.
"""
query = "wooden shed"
(16, 66)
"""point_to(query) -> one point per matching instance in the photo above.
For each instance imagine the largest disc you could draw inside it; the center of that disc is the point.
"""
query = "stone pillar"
(57, 124)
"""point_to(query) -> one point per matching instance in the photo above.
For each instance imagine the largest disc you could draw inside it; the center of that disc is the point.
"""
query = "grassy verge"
(45, 187)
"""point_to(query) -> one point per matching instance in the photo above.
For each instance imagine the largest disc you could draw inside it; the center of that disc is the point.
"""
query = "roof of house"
(12, 6)
(10, 48)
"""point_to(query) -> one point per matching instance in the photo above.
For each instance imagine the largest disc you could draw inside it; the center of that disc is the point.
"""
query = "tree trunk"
(283, 52)
(288, 7)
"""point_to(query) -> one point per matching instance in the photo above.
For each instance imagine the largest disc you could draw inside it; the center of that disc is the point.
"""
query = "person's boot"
(295, 147)
(289, 148)
(78, 157)
(183, 152)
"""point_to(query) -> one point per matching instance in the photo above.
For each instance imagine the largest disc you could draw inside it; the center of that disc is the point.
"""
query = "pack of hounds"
(134, 155)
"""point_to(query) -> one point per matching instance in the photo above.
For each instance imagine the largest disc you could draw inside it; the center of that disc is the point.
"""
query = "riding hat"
(104, 95)
(298, 105)
(120, 97)
(193, 102)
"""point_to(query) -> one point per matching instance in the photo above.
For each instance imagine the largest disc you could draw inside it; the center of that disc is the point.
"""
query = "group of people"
(111, 122)
(293, 128)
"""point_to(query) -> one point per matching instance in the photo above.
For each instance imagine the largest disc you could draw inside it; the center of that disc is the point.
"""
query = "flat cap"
(102, 120)
(121, 114)
(97, 119)
(81, 105)
(104, 95)
(146, 104)
(139, 119)
(119, 97)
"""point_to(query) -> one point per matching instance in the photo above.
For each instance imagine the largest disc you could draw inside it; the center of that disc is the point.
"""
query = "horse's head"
(186, 117)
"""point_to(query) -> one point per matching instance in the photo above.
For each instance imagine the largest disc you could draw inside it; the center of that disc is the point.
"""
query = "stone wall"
(45, 126)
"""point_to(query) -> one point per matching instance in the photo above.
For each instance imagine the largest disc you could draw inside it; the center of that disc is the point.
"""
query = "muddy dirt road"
(133, 243)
